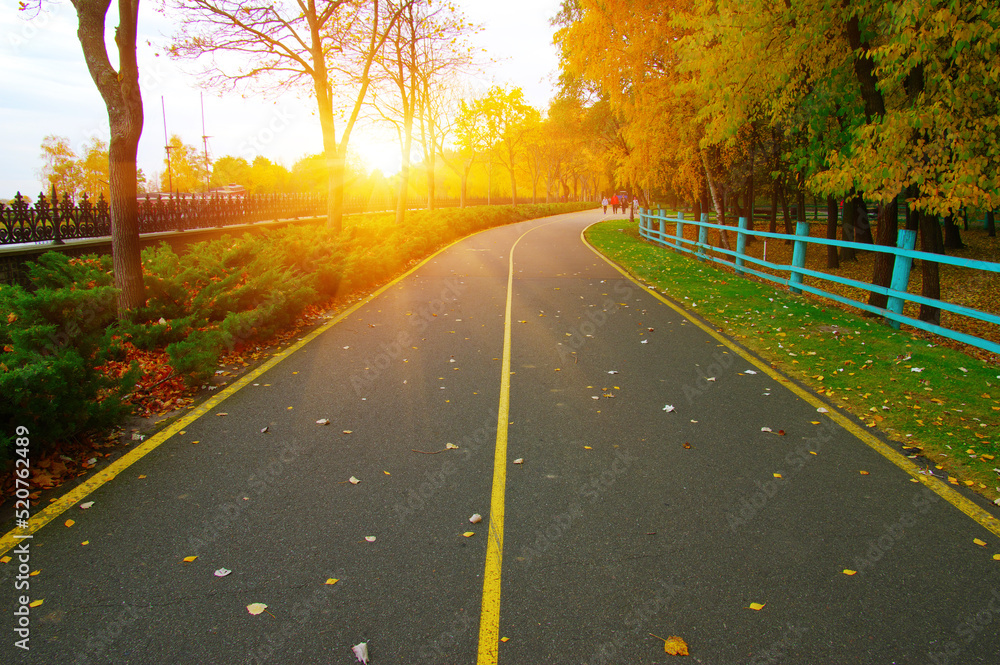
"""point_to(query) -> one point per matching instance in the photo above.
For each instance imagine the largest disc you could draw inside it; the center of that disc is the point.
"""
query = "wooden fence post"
(679, 231)
(905, 239)
(663, 225)
(702, 236)
(741, 244)
(798, 256)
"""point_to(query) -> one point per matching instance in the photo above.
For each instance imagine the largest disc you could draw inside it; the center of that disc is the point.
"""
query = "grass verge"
(940, 405)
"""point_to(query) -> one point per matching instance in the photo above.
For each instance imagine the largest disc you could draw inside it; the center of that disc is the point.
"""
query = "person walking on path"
(604, 204)
(614, 203)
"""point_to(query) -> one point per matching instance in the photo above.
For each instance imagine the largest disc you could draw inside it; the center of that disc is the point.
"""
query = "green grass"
(936, 402)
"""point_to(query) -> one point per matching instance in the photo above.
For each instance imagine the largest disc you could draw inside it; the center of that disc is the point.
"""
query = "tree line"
(722, 103)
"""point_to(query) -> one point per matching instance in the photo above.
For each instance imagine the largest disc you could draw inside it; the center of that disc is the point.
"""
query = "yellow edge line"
(68, 500)
(489, 617)
(936, 485)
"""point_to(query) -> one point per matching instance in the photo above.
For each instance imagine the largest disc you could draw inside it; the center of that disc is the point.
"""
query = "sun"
(377, 153)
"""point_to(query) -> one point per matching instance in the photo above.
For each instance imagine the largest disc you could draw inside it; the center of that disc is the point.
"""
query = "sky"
(48, 90)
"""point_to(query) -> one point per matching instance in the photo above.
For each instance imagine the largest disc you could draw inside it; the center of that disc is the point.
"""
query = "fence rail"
(52, 220)
(653, 226)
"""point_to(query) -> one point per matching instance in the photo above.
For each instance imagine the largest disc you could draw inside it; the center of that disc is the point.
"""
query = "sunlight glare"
(377, 153)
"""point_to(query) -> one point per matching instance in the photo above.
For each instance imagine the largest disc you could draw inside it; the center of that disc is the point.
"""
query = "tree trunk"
(123, 101)
(930, 241)
(952, 234)
(785, 214)
(772, 223)
(832, 257)
(991, 227)
(431, 184)
(885, 235)
(720, 206)
(847, 228)
(862, 226)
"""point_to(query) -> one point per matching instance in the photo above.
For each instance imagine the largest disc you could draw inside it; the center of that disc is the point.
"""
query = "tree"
(123, 100)
(329, 46)
(60, 168)
(229, 170)
(94, 169)
(184, 168)
(509, 120)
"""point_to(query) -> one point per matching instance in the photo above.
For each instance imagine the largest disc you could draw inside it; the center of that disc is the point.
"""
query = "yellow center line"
(936, 485)
(489, 619)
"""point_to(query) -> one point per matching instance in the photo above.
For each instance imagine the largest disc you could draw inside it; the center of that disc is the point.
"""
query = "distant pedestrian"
(614, 203)
(604, 204)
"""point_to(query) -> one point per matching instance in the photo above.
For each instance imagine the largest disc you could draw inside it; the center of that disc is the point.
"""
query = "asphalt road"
(623, 519)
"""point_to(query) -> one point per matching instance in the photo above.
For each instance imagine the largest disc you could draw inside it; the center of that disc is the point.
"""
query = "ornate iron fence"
(49, 219)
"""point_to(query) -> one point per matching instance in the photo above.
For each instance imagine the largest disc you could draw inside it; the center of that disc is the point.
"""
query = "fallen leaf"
(386, 472)
(222, 572)
(370, 539)
(222, 414)
(687, 446)
(757, 606)
(981, 543)
(86, 542)
(36, 603)
(189, 559)
(5, 559)
(669, 408)
(587, 448)
(750, 371)
(848, 571)
(256, 608)
(476, 518)
(353, 480)
(450, 446)
(323, 421)
(361, 652)
(996, 557)
(142, 476)
(263, 429)
(70, 522)
(504, 639)
(347, 431)
(863, 473)
(822, 410)
(675, 646)
(332, 580)
(519, 460)
(777, 475)
(469, 534)
(84, 506)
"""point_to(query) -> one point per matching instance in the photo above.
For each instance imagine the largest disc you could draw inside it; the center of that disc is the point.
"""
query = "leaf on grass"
(757, 606)
(848, 571)
(189, 559)
(222, 572)
(981, 543)
(256, 608)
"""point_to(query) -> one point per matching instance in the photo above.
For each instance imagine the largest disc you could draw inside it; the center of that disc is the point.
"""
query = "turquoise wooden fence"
(653, 226)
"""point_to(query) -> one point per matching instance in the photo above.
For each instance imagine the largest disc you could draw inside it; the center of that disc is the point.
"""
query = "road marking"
(936, 485)
(489, 617)
(71, 498)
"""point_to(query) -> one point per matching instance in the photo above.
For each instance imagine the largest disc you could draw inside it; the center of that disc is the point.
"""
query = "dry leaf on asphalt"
(189, 559)
(256, 608)
(450, 446)
(979, 542)
(353, 480)
(469, 534)
(332, 580)
(757, 606)
(222, 572)
(36, 603)
(370, 539)
(323, 421)
(519, 460)
(848, 571)
(84, 506)
(673, 645)
(669, 408)
(361, 652)
(476, 518)
(70, 522)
